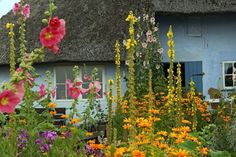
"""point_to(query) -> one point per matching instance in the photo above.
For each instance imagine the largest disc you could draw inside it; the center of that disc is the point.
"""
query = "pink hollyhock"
(8, 101)
(29, 78)
(53, 92)
(74, 90)
(51, 35)
(94, 87)
(20, 90)
(42, 90)
(16, 8)
(26, 11)
(87, 77)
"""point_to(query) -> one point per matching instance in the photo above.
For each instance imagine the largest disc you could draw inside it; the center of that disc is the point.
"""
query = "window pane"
(60, 75)
(69, 73)
(229, 81)
(61, 92)
(228, 68)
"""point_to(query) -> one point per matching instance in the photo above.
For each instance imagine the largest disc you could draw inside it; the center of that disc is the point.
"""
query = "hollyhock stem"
(11, 35)
(22, 39)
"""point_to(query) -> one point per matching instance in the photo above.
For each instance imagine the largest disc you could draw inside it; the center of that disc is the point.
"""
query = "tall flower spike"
(118, 85)
(110, 100)
(171, 54)
(131, 81)
(11, 35)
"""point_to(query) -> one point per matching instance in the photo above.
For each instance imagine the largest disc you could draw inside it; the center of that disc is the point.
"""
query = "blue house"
(204, 33)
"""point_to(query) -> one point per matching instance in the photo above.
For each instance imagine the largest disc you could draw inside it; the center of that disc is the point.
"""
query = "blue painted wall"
(215, 44)
(109, 72)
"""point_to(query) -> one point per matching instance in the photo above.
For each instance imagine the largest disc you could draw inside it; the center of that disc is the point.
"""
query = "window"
(229, 71)
(62, 73)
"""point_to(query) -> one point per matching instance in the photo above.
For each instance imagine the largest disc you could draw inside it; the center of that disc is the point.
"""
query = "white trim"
(223, 74)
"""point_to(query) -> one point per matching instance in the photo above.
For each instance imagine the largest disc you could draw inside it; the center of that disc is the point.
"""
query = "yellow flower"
(52, 105)
(131, 18)
(9, 25)
(127, 120)
(110, 82)
(89, 134)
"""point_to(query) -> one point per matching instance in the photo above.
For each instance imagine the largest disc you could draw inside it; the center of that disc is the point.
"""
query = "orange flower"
(226, 118)
(119, 152)
(137, 153)
(181, 153)
(127, 126)
(63, 126)
(163, 146)
(52, 105)
(204, 150)
(74, 121)
(64, 116)
(185, 121)
(53, 113)
(163, 133)
(96, 146)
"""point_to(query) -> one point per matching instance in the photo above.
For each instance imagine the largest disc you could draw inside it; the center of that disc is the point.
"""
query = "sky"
(6, 6)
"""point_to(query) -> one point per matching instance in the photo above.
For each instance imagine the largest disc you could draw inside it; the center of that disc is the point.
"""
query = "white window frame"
(80, 77)
(223, 74)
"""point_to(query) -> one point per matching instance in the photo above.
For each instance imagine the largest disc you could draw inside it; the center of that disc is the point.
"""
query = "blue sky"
(6, 6)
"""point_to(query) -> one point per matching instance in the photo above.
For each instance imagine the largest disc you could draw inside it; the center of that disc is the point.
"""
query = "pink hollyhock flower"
(53, 92)
(74, 90)
(29, 78)
(26, 11)
(16, 8)
(87, 77)
(51, 35)
(42, 90)
(20, 90)
(8, 101)
(94, 87)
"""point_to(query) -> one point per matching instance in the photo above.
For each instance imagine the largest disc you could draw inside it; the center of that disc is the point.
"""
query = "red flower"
(16, 8)
(8, 101)
(51, 35)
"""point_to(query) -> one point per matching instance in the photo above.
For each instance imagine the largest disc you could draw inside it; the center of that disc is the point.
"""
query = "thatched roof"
(195, 6)
(94, 25)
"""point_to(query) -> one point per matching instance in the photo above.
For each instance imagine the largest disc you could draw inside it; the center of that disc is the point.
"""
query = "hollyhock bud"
(26, 11)
(16, 8)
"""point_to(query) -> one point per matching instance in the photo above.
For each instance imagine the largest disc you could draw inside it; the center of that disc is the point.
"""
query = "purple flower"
(22, 140)
(49, 135)
(44, 148)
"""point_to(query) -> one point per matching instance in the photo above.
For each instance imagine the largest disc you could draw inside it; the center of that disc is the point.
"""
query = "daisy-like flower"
(8, 101)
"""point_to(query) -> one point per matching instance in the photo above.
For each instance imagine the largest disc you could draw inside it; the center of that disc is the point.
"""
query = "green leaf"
(219, 153)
